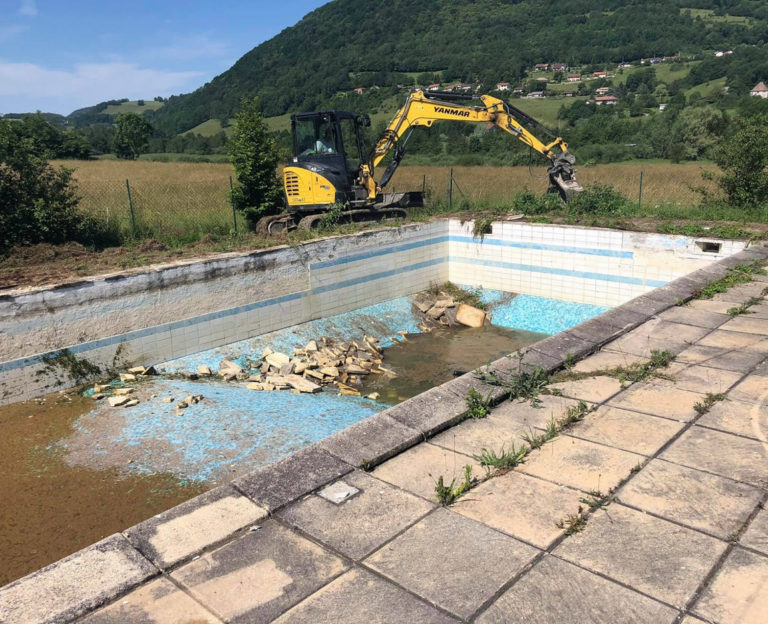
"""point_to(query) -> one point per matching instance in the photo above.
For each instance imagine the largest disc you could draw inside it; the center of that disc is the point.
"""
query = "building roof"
(606, 98)
(760, 86)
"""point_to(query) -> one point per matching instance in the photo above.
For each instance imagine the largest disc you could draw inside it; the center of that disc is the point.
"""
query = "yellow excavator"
(331, 165)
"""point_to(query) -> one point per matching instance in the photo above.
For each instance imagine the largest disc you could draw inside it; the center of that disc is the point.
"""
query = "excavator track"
(368, 215)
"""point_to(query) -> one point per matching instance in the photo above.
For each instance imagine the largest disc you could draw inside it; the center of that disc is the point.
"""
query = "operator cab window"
(315, 136)
(351, 145)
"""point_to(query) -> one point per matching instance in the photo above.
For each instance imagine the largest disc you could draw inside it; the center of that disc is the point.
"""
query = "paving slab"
(721, 453)
(657, 335)
(694, 316)
(186, 529)
(697, 499)
(158, 602)
(662, 559)
(522, 506)
(594, 389)
(360, 597)
(581, 464)
(746, 323)
(756, 535)
(662, 400)
(504, 426)
(258, 577)
(759, 311)
(752, 389)
(730, 340)
(738, 593)
(557, 592)
(417, 469)
(741, 293)
(746, 419)
(283, 482)
(626, 430)
(433, 410)
(709, 305)
(603, 360)
(564, 344)
(698, 378)
(361, 524)
(738, 360)
(79, 583)
(452, 561)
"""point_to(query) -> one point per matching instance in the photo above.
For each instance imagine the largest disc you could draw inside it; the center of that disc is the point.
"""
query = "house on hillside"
(359, 90)
(463, 86)
(541, 66)
(760, 90)
(574, 78)
(559, 67)
(535, 95)
(609, 100)
(503, 86)
(625, 66)
(434, 87)
(600, 74)
(602, 90)
(518, 90)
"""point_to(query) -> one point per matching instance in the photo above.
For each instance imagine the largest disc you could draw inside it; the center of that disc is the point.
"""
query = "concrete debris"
(131, 403)
(122, 391)
(204, 371)
(97, 396)
(116, 401)
(101, 387)
(229, 370)
(440, 309)
(168, 400)
(373, 396)
(471, 317)
(136, 370)
(127, 377)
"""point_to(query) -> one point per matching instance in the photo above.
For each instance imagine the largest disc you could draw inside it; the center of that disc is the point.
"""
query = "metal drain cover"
(338, 492)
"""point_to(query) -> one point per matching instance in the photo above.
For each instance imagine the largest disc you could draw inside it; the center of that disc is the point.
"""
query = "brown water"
(427, 360)
(49, 509)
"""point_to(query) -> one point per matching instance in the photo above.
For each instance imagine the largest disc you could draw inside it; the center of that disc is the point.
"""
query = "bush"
(599, 200)
(743, 158)
(529, 203)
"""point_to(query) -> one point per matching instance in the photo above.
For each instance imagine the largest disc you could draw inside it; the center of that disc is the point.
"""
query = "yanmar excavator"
(331, 165)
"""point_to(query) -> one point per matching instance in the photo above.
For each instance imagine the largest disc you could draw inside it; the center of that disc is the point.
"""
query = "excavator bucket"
(562, 176)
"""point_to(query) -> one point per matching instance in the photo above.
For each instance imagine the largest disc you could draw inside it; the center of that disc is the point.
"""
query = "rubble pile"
(440, 309)
(121, 396)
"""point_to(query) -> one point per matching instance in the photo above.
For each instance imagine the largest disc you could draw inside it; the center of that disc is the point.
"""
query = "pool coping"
(363, 445)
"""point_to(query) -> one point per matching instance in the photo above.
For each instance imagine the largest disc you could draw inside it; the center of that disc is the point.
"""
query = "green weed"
(573, 523)
(744, 307)
(504, 460)
(740, 274)
(477, 405)
(702, 407)
(448, 494)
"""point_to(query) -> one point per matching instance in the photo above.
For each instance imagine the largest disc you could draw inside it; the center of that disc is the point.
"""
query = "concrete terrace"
(650, 508)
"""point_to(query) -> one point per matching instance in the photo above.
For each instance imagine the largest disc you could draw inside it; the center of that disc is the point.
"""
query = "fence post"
(640, 196)
(232, 201)
(424, 185)
(450, 191)
(130, 205)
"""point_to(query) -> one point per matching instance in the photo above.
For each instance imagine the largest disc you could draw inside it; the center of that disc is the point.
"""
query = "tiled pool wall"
(171, 311)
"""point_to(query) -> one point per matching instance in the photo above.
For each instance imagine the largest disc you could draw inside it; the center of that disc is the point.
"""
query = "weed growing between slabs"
(740, 274)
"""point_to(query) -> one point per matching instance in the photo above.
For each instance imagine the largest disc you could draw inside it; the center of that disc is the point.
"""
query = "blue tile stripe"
(607, 277)
(379, 252)
(610, 253)
(374, 276)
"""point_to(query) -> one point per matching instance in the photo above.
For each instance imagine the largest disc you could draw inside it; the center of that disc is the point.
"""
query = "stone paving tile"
(158, 602)
(522, 506)
(721, 453)
(698, 378)
(360, 597)
(659, 399)
(659, 558)
(752, 389)
(361, 524)
(657, 335)
(689, 619)
(746, 323)
(694, 316)
(759, 311)
(741, 293)
(452, 561)
(717, 307)
(504, 426)
(416, 470)
(756, 535)
(581, 464)
(186, 529)
(594, 389)
(607, 359)
(76, 584)
(730, 340)
(738, 593)
(697, 499)
(629, 431)
(747, 419)
(258, 577)
(739, 360)
(557, 592)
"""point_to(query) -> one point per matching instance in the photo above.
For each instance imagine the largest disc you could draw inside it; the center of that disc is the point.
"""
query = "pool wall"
(149, 316)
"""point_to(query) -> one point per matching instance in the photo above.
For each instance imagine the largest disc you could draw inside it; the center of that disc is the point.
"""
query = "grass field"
(708, 15)
(211, 127)
(132, 107)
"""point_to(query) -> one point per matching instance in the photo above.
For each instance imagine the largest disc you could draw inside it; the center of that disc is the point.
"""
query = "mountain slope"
(479, 40)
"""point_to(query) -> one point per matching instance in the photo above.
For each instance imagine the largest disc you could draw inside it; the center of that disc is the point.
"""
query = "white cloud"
(28, 8)
(26, 86)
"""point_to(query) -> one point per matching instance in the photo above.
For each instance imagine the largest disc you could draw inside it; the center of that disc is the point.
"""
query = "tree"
(132, 133)
(252, 151)
(743, 158)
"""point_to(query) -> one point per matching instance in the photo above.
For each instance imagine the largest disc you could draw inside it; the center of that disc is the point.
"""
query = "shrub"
(529, 203)
(599, 200)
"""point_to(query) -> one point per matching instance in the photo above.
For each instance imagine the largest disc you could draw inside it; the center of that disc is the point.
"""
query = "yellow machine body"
(307, 188)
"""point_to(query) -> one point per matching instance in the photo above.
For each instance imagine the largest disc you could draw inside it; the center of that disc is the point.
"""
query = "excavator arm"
(425, 108)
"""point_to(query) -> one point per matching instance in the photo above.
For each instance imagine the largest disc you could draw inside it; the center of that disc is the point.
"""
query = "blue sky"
(60, 55)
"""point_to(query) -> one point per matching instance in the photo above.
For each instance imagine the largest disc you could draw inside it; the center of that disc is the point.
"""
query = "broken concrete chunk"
(116, 401)
(131, 403)
(311, 346)
(435, 312)
(168, 400)
(445, 302)
(123, 391)
(204, 371)
(316, 374)
(101, 387)
(330, 371)
(229, 368)
(470, 316)
(373, 396)
(97, 396)
(127, 377)
(277, 359)
(287, 369)
(354, 369)
(136, 370)
(299, 367)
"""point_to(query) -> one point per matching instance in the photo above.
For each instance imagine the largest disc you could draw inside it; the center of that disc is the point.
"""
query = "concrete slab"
(629, 431)
(703, 379)
(555, 591)
(739, 360)
(738, 593)
(417, 469)
(606, 360)
(662, 559)
(504, 426)
(186, 529)
(581, 464)
(258, 577)
(359, 596)
(371, 441)
(697, 499)
(694, 316)
(721, 453)
(361, 524)
(285, 481)
(752, 389)
(75, 585)
(746, 323)
(624, 316)
(563, 344)
(158, 602)
(657, 335)
(659, 400)
(594, 389)
(730, 340)
(522, 506)
(452, 561)
(432, 411)
(746, 419)
(756, 535)
(710, 305)
(741, 293)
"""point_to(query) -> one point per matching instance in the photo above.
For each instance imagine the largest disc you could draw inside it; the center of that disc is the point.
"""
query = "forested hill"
(347, 44)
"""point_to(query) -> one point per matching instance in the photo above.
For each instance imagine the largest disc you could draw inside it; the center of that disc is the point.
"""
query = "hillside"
(347, 44)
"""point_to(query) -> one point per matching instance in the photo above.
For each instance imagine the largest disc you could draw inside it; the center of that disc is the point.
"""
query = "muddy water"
(427, 360)
(49, 509)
